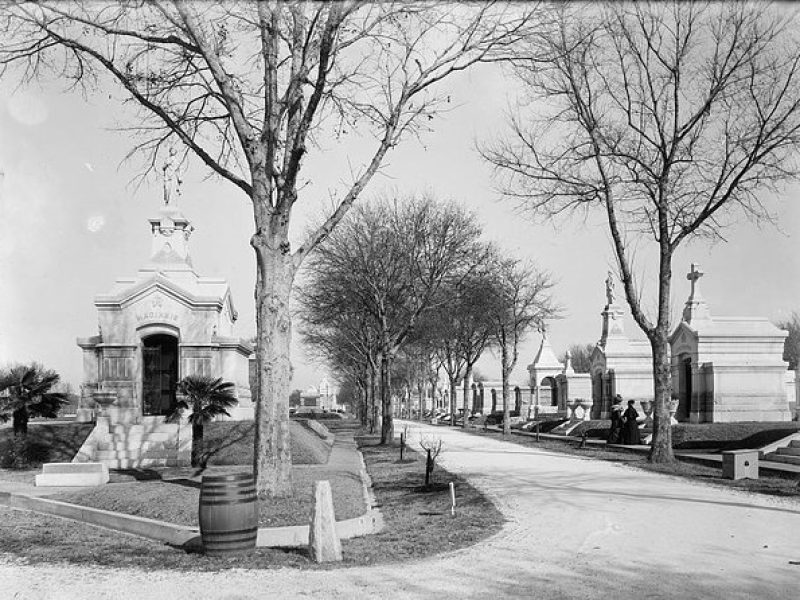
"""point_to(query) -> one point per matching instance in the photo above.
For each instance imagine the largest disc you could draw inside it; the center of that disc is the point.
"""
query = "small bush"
(23, 453)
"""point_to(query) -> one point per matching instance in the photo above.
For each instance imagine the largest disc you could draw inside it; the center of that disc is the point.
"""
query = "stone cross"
(694, 275)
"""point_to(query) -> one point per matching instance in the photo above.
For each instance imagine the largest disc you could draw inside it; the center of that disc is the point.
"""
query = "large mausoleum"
(727, 369)
(165, 323)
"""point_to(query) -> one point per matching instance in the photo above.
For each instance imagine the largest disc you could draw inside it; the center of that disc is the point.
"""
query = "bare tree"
(388, 263)
(337, 333)
(580, 355)
(522, 301)
(248, 89)
(462, 326)
(668, 117)
(791, 347)
(433, 448)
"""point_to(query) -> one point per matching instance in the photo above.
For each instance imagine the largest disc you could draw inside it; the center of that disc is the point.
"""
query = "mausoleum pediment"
(684, 334)
(160, 286)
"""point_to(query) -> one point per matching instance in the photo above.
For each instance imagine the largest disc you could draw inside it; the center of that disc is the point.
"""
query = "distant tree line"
(406, 285)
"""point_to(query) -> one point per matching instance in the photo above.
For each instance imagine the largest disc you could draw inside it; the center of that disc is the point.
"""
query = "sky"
(72, 221)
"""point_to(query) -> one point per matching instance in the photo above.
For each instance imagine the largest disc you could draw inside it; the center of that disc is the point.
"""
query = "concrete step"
(789, 451)
(783, 458)
(103, 455)
(134, 445)
(160, 436)
(141, 430)
(140, 463)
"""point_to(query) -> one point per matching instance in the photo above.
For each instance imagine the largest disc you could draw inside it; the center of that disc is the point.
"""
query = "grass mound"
(231, 443)
(729, 436)
(46, 442)
(418, 520)
(173, 495)
(418, 525)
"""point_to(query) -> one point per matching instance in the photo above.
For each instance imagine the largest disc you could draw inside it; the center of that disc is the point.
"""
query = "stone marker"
(323, 542)
(740, 464)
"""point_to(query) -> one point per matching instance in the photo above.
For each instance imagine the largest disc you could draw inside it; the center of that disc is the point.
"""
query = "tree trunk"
(428, 469)
(197, 445)
(467, 390)
(373, 407)
(20, 422)
(421, 397)
(504, 370)
(453, 401)
(661, 447)
(363, 404)
(272, 462)
(387, 423)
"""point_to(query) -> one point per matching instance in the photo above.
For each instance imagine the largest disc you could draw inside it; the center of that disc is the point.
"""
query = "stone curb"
(292, 536)
(149, 528)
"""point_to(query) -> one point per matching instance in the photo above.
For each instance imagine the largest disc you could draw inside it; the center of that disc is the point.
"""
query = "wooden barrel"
(228, 513)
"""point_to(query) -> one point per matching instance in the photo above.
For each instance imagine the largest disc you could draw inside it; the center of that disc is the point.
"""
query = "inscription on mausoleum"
(156, 315)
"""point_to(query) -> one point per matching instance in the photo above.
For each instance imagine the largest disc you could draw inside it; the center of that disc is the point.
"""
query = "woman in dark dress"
(615, 433)
(630, 428)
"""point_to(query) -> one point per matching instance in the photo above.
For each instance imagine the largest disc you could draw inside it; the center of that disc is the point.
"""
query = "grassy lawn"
(418, 524)
(778, 484)
(46, 442)
(418, 521)
(729, 436)
(231, 443)
(174, 495)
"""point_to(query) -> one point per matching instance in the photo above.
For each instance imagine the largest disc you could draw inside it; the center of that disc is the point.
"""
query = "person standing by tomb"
(630, 428)
(615, 433)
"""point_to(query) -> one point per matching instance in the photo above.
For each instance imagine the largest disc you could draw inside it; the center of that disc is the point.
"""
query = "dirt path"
(576, 528)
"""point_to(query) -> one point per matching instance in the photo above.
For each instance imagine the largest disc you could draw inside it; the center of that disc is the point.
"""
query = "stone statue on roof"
(171, 177)
(610, 288)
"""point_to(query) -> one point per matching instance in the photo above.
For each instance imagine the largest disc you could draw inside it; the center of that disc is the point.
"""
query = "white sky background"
(71, 223)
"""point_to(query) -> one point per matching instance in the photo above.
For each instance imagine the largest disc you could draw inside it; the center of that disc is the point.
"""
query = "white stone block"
(72, 475)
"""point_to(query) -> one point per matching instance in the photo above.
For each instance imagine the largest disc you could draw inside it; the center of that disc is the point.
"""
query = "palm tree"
(208, 398)
(25, 393)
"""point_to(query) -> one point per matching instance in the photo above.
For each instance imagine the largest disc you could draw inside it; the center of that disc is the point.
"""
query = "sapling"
(433, 448)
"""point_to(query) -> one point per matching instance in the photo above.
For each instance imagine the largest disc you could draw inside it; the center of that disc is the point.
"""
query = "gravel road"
(576, 528)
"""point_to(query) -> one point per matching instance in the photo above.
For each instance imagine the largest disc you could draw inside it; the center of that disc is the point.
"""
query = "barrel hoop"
(204, 502)
(224, 478)
(223, 498)
(233, 485)
(217, 541)
(231, 534)
(230, 489)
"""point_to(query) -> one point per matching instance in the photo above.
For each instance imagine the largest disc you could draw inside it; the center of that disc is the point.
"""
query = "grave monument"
(161, 325)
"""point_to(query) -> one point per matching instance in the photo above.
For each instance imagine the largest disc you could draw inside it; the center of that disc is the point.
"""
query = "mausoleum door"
(685, 390)
(160, 374)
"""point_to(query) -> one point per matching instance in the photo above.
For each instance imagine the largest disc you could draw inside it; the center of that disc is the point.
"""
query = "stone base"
(72, 475)
(84, 415)
(740, 464)
(122, 415)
